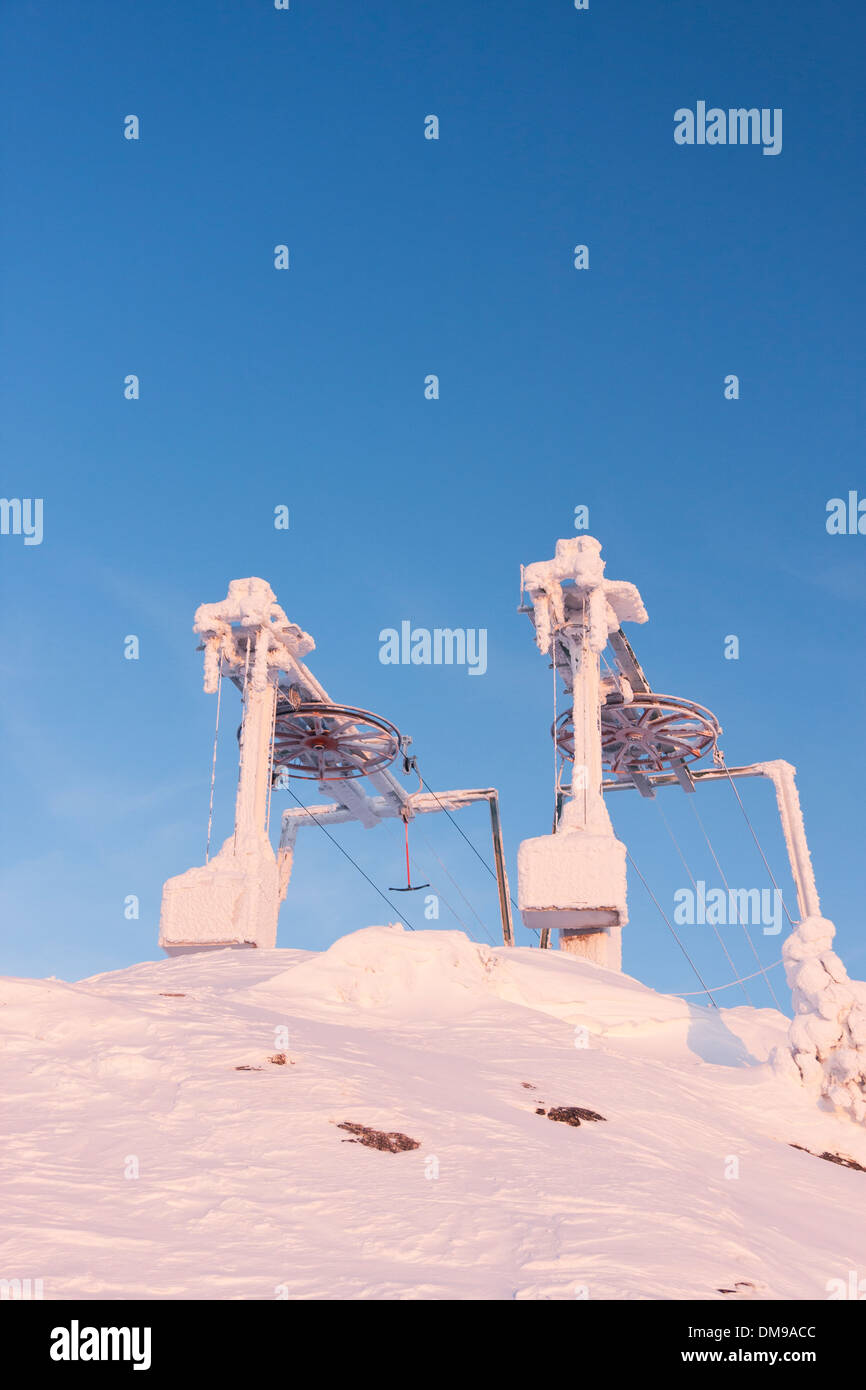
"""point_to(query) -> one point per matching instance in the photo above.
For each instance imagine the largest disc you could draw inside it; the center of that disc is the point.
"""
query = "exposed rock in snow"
(571, 1115)
(828, 1032)
(393, 1143)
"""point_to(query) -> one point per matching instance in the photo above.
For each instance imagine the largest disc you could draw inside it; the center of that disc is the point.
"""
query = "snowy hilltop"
(413, 1116)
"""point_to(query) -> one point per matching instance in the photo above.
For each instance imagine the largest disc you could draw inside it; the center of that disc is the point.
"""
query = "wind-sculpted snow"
(153, 1148)
(828, 1032)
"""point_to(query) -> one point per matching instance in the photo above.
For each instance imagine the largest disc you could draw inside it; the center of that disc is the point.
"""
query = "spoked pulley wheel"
(650, 734)
(331, 742)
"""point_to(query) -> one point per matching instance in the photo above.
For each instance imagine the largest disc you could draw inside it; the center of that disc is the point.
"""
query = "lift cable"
(316, 820)
(478, 855)
(450, 876)
(492, 872)
(460, 831)
(449, 906)
(688, 994)
(757, 841)
(672, 932)
(728, 890)
(457, 828)
(695, 886)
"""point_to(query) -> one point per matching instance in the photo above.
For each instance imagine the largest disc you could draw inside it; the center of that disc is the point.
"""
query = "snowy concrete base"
(231, 901)
(598, 947)
(575, 883)
(197, 947)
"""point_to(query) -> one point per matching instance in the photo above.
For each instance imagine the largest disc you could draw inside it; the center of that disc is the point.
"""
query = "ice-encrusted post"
(827, 1035)
(781, 774)
(575, 880)
(251, 804)
(234, 899)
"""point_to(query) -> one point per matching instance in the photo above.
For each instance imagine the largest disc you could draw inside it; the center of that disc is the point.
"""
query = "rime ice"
(575, 879)
(827, 1036)
(234, 899)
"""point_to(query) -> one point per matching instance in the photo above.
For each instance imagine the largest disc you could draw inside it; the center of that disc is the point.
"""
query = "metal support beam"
(670, 779)
(501, 876)
(683, 775)
(781, 774)
(628, 662)
(378, 808)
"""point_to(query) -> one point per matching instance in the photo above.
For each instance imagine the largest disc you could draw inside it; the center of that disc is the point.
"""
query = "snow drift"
(153, 1149)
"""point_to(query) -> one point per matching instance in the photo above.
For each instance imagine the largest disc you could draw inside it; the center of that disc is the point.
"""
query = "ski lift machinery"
(290, 729)
(574, 880)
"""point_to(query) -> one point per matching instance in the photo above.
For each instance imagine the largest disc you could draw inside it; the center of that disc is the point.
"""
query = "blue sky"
(306, 388)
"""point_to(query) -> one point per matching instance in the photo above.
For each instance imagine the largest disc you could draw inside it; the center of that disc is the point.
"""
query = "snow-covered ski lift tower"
(234, 898)
(290, 728)
(575, 879)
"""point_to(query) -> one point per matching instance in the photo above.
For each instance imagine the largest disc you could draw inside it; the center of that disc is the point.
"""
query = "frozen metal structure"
(574, 880)
(290, 728)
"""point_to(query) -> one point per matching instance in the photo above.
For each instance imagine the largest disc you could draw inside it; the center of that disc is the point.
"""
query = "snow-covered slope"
(246, 1187)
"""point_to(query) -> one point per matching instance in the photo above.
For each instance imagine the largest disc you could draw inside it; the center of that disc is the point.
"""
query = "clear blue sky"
(305, 387)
